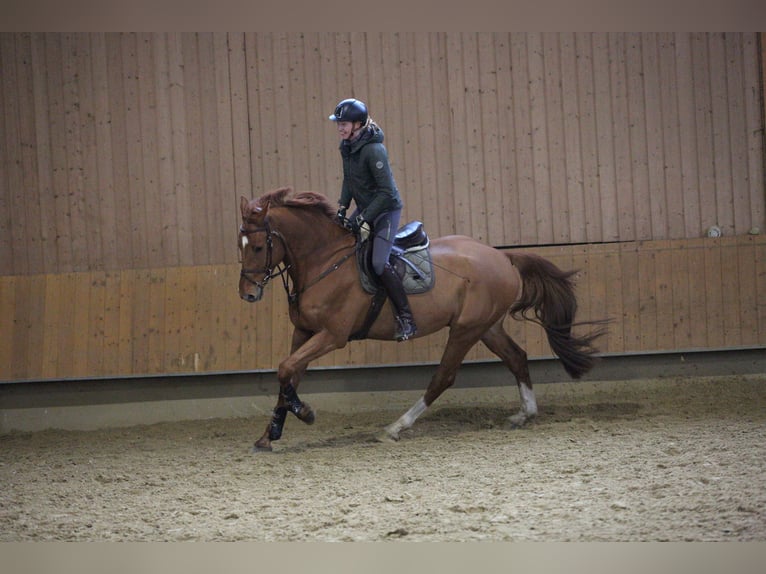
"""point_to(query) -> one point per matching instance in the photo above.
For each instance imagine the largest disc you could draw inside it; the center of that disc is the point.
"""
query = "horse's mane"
(288, 197)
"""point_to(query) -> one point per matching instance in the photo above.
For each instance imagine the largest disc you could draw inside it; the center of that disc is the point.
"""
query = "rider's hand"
(362, 227)
(341, 215)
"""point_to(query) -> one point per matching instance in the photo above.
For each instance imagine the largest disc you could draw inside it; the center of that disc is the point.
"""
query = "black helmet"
(350, 110)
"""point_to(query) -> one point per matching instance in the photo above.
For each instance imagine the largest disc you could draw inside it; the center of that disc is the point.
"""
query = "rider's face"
(346, 129)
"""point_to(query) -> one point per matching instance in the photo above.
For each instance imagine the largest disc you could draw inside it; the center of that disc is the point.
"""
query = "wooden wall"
(122, 158)
(664, 295)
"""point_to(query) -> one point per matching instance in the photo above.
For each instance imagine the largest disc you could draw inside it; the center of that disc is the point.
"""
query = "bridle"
(268, 270)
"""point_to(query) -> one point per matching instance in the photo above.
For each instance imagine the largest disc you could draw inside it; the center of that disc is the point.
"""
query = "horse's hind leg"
(458, 344)
(515, 358)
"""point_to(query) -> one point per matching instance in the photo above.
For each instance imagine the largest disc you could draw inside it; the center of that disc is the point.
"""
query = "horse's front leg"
(306, 347)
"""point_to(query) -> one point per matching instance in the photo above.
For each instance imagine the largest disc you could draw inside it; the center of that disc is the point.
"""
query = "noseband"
(268, 269)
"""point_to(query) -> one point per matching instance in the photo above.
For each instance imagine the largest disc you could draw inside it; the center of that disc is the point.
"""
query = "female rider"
(367, 179)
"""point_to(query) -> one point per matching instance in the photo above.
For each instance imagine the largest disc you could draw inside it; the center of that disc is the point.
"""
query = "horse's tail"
(549, 291)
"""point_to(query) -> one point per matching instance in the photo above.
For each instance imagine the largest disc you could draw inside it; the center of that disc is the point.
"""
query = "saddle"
(411, 259)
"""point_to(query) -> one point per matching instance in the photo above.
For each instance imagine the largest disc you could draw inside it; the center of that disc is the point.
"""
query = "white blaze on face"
(244, 242)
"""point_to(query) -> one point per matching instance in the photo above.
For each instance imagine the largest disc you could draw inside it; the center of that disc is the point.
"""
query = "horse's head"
(259, 253)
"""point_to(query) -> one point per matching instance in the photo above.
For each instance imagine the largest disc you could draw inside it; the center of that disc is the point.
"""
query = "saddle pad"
(413, 265)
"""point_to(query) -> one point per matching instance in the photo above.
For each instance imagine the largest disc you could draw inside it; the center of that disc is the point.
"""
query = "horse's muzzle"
(252, 297)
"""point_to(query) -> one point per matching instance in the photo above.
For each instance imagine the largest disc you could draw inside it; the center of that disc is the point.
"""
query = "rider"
(367, 179)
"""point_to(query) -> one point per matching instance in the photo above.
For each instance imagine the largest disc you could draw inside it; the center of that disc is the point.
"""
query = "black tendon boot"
(395, 290)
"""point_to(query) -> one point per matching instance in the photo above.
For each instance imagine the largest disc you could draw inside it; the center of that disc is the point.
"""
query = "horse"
(296, 236)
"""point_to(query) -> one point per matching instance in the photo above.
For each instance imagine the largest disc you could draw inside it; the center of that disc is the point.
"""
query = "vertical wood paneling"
(130, 150)
(662, 296)
(124, 155)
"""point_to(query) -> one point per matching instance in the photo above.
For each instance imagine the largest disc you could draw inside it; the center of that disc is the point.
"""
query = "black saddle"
(411, 235)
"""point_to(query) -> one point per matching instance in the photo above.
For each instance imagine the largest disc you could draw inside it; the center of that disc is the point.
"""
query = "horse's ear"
(244, 206)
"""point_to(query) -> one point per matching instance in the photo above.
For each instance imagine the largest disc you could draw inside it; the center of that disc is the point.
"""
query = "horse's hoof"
(306, 414)
(261, 448)
(388, 436)
(517, 421)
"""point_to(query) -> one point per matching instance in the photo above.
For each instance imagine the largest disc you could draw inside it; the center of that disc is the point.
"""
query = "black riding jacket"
(367, 177)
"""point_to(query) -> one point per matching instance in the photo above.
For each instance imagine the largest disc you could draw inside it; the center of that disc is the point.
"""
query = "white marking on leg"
(528, 401)
(528, 408)
(407, 419)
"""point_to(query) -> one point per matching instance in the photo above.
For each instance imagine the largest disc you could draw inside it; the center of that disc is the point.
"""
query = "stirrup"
(407, 330)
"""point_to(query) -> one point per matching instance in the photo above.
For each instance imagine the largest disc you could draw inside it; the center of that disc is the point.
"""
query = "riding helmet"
(350, 110)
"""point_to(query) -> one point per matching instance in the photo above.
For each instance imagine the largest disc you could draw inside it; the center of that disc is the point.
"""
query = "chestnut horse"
(295, 236)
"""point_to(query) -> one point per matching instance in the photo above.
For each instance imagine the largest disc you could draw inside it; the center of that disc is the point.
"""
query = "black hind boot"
(395, 290)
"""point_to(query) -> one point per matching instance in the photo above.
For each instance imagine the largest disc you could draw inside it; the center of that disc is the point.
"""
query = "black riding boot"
(395, 290)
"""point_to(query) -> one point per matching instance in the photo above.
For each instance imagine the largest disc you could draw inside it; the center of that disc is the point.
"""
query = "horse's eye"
(258, 249)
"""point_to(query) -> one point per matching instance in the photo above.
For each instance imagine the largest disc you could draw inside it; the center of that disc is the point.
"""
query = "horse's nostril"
(249, 297)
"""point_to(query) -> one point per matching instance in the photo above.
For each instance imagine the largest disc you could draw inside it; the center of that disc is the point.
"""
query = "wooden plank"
(638, 138)
(738, 136)
(690, 204)
(115, 117)
(457, 130)
(6, 242)
(629, 321)
(8, 326)
(72, 161)
(486, 197)
(195, 146)
(704, 136)
(85, 116)
(105, 184)
(507, 201)
(68, 335)
(134, 153)
(610, 230)
(730, 276)
(49, 323)
(654, 194)
(168, 231)
(425, 136)
(240, 120)
(586, 110)
(760, 274)
(82, 311)
(151, 212)
(212, 124)
(444, 205)
(695, 252)
(671, 137)
(408, 175)
(681, 292)
(747, 295)
(472, 125)
(155, 324)
(181, 198)
(556, 140)
(96, 329)
(112, 330)
(540, 144)
(12, 168)
(573, 130)
(647, 297)
(30, 188)
(606, 292)
(755, 107)
(667, 311)
(714, 294)
(61, 224)
(128, 286)
(626, 221)
(141, 321)
(232, 309)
